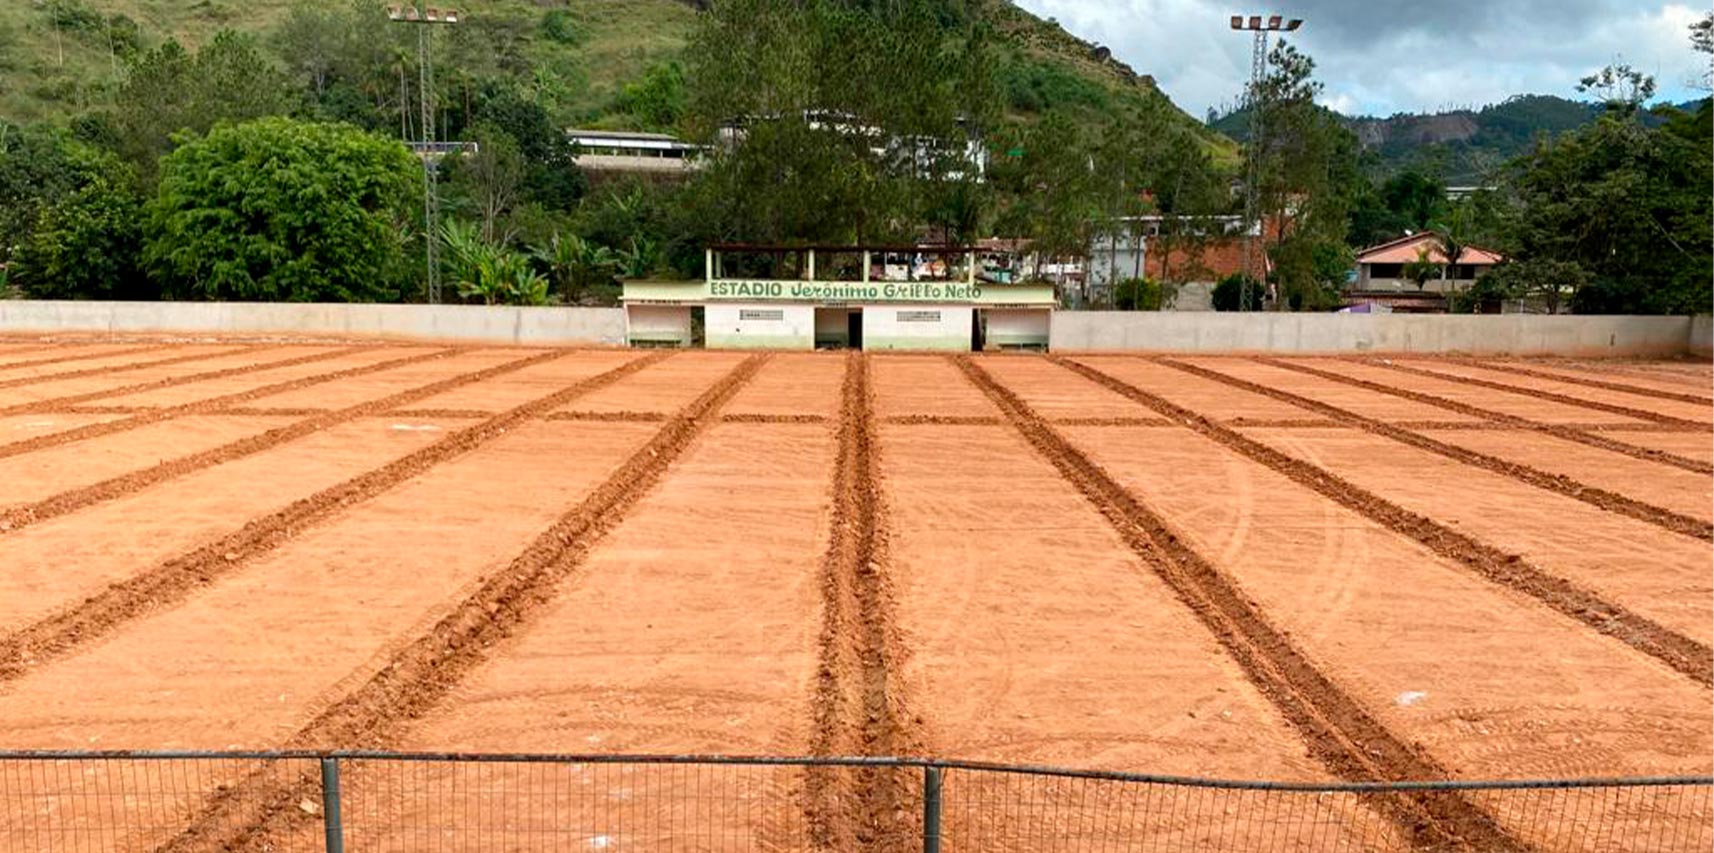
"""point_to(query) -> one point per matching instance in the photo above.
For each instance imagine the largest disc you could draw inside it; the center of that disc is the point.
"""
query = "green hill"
(61, 57)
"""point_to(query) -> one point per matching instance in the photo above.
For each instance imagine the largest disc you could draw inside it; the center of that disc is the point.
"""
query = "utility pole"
(423, 17)
(1255, 237)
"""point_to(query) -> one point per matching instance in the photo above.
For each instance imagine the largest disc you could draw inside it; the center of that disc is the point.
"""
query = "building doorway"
(854, 328)
(978, 330)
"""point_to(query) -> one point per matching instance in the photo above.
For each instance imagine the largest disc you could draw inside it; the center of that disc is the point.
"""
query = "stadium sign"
(844, 291)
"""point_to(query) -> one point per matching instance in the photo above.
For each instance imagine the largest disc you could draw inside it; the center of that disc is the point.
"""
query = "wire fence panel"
(384, 803)
(100, 804)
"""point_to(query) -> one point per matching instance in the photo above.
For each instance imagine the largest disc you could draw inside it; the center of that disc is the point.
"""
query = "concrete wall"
(1702, 335)
(1517, 334)
(899, 327)
(739, 325)
(477, 323)
(658, 324)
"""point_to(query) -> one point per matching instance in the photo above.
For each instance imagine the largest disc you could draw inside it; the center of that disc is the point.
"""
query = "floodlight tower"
(423, 17)
(1254, 238)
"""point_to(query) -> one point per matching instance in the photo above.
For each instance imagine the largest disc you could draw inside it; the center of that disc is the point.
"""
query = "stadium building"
(868, 297)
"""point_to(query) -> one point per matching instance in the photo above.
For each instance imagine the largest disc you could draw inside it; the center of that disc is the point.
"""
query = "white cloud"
(1380, 58)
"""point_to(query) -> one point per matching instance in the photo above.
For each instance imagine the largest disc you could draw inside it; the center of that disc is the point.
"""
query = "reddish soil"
(1688, 411)
(995, 558)
(181, 394)
(917, 386)
(1666, 579)
(1519, 404)
(664, 388)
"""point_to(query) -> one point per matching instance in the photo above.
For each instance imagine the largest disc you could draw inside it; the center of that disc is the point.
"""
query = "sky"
(1378, 57)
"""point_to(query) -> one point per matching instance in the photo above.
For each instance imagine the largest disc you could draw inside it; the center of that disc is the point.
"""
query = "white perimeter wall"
(725, 327)
(1519, 334)
(481, 323)
(883, 330)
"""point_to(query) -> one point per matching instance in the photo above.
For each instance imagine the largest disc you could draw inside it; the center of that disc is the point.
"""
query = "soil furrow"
(1569, 433)
(616, 417)
(177, 578)
(114, 368)
(1338, 730)
(753, 418)
(857, 706)
(262, 807)
(142, 416)
(1599, 498)
(1521, 370)
(1567, 399)
(444, 414)
(61, 359)
(172, 381)
(1531, 425)
(1682, 653)
(24, 515)
(942, 420)
(1111, 422)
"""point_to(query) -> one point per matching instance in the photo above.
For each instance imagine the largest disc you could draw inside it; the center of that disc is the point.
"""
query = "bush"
(1138, 294)
(84, 246)
(277, 209)
(1229, 292)
(560, 25)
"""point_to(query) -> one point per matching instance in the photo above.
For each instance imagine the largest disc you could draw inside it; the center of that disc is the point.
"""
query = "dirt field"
(1288, 569)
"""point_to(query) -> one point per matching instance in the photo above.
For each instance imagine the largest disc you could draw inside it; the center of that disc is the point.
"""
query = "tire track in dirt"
(116, 368)
(772, 419)
(175, 579)
(172, 381)
(1337, 729)
(143, 415)
(858, 706)
(24, 515)
(1568, 433)
(261, 807)
(1682, 653)
(1599, 498)
(1597, 405)
(1521, 370)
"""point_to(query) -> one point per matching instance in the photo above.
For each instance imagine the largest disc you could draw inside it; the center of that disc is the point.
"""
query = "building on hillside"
(604, 154)
(917, 297)
(1380, 269)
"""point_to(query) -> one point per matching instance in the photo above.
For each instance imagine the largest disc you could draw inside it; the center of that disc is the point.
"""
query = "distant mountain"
(1462, 147)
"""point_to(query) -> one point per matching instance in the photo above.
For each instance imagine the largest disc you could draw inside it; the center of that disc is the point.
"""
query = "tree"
(171, 91)
(1421, 268)
(1551, 284)
(283, 210)
(576, 264)
(1621, 88)
(1308, 175)
(1228, 294)
(489, 181)
(38, 166)
(84, 246)
(1629, 204)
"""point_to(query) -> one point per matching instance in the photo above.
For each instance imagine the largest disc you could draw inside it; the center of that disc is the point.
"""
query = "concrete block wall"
(470, 323)
(1510, 334)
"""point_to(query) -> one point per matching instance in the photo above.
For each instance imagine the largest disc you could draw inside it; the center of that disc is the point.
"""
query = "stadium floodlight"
(1254, 254)
(410, 14)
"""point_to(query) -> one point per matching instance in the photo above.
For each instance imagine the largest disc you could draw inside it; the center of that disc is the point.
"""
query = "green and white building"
(869, 297)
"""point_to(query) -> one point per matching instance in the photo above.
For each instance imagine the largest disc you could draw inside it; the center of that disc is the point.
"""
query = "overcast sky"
(1378, 57)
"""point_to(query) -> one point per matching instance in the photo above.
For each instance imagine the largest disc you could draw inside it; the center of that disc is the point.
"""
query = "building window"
(919, 316)
(763, 314)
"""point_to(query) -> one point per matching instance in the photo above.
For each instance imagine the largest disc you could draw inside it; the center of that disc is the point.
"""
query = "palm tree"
(1452, 239)
(1422, 269)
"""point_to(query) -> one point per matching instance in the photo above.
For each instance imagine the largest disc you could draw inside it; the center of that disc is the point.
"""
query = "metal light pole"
(1255, 256)
(425, 86)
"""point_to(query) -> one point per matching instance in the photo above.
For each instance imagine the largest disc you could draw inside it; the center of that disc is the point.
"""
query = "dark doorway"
(978, 330)
(854, 329)
(698, 326)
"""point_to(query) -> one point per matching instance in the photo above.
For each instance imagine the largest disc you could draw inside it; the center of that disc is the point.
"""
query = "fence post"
(931, 809)
(330, 806)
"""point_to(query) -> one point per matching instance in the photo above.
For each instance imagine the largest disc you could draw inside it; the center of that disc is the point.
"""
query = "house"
(1193, 252)
(1381, 269)
(603, 153)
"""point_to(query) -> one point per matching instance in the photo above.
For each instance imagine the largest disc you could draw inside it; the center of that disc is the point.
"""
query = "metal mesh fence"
(382, 803)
